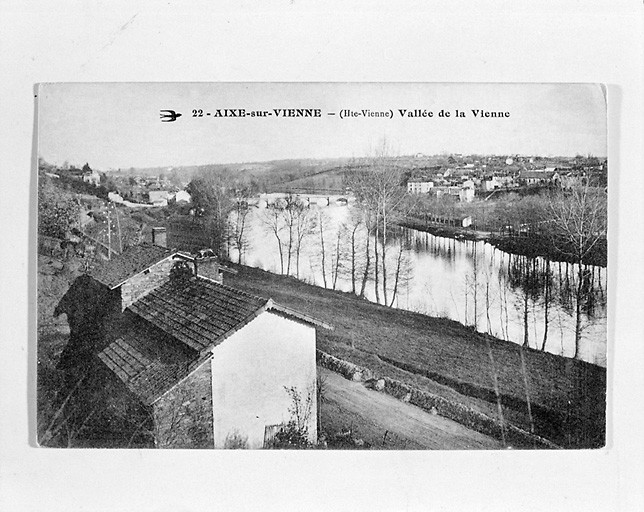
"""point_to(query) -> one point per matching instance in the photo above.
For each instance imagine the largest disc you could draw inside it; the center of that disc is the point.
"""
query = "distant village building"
(114, 197)
(419, 187)
(92, 177)
(463, 222)
(182, 197)
(466, 193)
(158, 197)
(210, 365)
(491, 184)
(571, 180)
(538, 177)
(447, 190)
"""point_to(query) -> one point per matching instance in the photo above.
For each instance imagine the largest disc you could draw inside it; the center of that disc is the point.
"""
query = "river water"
(507, 296)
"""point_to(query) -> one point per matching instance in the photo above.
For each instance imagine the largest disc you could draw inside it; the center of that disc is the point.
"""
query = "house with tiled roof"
(211, 365)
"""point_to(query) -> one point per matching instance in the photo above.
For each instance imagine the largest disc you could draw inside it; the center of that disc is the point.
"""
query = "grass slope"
(444, 357)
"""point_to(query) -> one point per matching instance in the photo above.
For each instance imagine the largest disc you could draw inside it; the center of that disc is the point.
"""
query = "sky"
(118, 125)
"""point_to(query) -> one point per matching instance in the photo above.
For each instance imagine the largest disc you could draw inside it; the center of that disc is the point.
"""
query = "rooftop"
(198, 312)
(168, 333)
(132, 261)
(538, 173)
(148, 361)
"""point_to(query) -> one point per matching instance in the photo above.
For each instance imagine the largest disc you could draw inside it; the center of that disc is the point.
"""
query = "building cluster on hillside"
(134, 190)
(117, 187)
(462, 177)
(152, 190)
(92, 176)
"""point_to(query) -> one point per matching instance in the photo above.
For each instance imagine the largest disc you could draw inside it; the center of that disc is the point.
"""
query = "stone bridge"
(320, 200)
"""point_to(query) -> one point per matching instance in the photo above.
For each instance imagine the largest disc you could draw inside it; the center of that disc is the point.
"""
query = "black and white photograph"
(322, 266)
(316, 255)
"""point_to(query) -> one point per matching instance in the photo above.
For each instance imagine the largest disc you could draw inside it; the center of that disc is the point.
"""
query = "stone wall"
(183, 416)
(346, 369)
(143, 283)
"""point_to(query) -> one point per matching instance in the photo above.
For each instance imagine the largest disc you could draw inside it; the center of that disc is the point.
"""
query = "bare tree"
(237, 227)
(368, 222)
(547, 299)
(298, 225)
(379, 191)
(403, 268)
(290, 220)
(275, 222)
(304, 226)
(524, 277)
(321, 226)
(356, 221)
(579, 216)
(337, 256)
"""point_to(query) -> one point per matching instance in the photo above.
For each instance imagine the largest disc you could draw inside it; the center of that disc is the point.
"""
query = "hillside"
(446, 358)
(324, 174)
(264, 174)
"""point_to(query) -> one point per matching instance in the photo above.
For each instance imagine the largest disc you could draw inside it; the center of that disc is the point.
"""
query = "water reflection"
(531, 301)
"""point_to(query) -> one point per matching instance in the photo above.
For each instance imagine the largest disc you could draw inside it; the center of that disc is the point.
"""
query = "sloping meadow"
(439, 356)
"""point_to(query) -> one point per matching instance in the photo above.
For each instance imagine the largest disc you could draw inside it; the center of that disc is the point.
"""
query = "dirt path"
(371, 414)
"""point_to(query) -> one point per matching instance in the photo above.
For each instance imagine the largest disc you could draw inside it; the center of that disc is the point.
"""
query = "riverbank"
(542, 246)
(443, 357)
(532, 245)
(445, 231)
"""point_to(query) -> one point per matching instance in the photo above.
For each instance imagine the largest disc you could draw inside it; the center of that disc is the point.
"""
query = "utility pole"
(109, 237)
(118, 227)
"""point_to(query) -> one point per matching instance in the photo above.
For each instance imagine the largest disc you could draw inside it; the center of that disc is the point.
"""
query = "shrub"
(291, 436)
(236, 441)
(295, 434)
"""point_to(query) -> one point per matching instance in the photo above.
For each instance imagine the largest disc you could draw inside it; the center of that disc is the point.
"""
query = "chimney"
(159, 237)
(209, 268)
(207, 265)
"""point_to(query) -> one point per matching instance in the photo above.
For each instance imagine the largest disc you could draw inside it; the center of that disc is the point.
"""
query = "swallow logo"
(169, 116)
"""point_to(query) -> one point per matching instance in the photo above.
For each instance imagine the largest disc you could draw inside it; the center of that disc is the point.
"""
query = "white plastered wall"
(250, 371)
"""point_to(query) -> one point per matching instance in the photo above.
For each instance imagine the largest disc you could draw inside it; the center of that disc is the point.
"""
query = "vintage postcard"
(362, 266)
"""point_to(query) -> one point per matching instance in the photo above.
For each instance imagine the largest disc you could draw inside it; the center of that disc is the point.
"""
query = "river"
(507, 296)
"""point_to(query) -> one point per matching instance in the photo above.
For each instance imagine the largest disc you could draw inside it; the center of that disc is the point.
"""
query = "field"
(567, 397)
